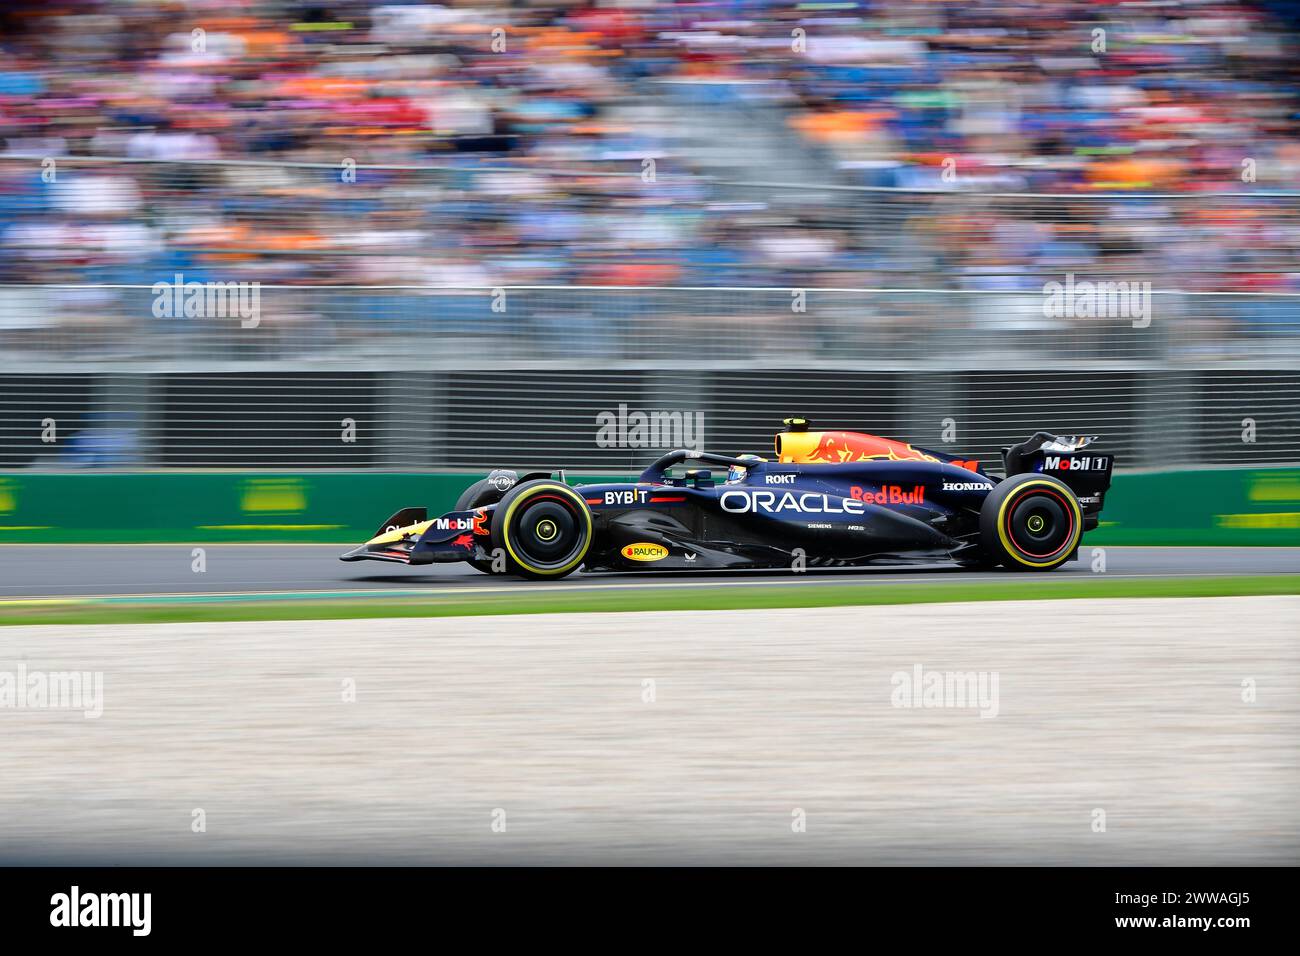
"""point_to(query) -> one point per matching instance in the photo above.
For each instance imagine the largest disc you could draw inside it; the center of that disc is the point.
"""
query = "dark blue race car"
(825, 499)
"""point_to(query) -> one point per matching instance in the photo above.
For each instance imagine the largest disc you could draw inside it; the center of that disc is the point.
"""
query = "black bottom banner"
(912, 905)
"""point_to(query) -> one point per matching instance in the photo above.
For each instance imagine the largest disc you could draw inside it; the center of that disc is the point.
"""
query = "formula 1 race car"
(827, 499)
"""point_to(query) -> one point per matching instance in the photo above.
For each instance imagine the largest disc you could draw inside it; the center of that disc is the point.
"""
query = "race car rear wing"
(1086, 472)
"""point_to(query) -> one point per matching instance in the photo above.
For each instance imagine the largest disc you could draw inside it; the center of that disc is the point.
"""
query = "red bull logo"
(889, 495)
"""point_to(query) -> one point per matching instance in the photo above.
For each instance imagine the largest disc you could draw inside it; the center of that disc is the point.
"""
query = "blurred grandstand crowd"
(541, 118)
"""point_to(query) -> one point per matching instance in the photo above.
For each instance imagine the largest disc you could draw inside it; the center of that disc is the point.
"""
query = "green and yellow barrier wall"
(1195, 507)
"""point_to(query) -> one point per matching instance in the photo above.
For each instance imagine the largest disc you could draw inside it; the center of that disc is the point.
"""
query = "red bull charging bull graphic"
(838, 448)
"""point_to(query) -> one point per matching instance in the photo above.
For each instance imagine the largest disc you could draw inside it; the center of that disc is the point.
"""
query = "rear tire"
(1031, 522)
(545, 528)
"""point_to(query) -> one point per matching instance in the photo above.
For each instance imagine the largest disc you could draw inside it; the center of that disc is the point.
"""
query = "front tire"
(545, 528)
(1031, 522)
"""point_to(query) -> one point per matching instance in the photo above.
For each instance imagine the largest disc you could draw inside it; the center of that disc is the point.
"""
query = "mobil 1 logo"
(1077, 463)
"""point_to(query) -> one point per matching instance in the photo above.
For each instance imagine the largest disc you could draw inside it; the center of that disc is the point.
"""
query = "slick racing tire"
(545, 528)
(1031, 522)
(476, 496)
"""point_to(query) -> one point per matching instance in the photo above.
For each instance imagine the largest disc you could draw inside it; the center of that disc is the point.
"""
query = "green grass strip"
(540, 601)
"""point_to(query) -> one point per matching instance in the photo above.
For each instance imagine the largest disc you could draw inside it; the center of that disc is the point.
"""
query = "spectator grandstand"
(472, 144)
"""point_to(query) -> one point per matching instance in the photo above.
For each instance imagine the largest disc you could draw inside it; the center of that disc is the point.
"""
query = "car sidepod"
(826, 514)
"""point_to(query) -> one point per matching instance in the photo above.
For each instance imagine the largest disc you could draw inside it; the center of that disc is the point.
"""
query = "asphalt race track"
(97, 570)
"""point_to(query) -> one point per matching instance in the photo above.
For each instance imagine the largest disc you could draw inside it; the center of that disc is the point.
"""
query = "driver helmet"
(737, 472)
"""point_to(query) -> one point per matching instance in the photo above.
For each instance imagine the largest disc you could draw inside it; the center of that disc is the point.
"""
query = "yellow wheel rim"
(1012, 551)
(549, 489)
